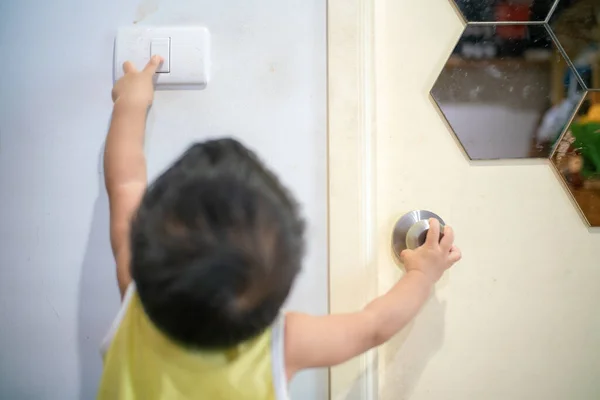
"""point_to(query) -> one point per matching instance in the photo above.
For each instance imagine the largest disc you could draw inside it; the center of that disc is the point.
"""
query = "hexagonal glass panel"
(576, 24)
(504, 10)
(577, 158)
(506, 92)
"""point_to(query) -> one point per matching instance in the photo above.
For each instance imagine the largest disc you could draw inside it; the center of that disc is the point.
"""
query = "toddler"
(206, 256)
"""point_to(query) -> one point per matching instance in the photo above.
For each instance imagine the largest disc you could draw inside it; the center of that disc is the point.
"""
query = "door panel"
(516, 319)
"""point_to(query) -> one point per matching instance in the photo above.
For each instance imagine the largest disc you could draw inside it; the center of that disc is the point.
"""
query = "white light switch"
(185, 49)
(162, 47)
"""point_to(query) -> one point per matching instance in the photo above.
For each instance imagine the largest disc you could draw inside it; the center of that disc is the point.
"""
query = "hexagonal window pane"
(506, 92)
(503, 10)
(576, 24)
(577, 158)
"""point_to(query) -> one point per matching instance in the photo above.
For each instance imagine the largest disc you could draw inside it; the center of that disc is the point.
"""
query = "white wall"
(57, 281)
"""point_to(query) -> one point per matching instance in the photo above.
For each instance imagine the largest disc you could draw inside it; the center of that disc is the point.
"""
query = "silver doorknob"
(411, 230)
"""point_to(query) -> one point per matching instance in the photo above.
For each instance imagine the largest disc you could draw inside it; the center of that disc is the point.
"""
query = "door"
(517, 317)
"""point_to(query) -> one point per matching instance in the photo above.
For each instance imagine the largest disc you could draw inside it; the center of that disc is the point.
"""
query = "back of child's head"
(216, 245)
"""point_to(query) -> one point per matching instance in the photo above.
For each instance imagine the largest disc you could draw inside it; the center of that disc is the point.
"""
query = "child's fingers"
(455, 254)
(448, 238)
(153, 64)
(128, 67)
(433, 236)
(404, 255)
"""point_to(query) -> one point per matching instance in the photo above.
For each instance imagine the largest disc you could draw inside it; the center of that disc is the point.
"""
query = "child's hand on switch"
(136, 88)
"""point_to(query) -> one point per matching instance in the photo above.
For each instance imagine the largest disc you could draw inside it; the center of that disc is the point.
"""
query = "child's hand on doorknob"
(435, 256)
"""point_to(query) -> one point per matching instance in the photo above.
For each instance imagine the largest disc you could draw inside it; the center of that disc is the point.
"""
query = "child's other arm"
(330, 340)
(124, 160)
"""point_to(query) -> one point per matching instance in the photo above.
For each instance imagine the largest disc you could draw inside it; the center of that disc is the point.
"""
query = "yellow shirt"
(140, 362)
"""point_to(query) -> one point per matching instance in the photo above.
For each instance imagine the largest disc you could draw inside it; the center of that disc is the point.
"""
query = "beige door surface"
(519, 317)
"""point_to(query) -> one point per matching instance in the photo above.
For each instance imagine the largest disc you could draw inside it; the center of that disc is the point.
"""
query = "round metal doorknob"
(411, 230)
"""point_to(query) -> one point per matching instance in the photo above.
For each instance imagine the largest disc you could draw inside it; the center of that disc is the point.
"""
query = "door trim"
(351, 163)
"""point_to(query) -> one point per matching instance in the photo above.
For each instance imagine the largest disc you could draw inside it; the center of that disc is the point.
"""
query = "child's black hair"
(216, 245)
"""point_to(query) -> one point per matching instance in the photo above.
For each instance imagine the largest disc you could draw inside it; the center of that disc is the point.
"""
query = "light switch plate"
(189, 58)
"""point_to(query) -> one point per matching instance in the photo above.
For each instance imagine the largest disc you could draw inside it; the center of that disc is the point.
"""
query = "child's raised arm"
(124, 160)
(329, 340)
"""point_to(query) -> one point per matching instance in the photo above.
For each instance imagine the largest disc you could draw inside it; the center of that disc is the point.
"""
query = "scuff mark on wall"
(53, 309)
(144, 9)
(47, 299)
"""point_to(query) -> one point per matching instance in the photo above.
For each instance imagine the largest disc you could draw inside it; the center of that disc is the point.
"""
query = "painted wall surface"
(58, 290)
(517, 318)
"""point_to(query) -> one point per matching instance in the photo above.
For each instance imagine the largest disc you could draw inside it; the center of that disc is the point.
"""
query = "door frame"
(352, 227)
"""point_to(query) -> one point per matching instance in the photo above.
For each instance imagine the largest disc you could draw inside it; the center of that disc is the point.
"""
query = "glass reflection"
(577, 158)
(576, 24)
(504, 10)
(507, 92)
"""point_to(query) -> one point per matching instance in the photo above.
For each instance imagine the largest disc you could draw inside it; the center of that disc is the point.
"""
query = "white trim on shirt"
(278, 359)
(117, 321)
